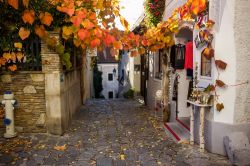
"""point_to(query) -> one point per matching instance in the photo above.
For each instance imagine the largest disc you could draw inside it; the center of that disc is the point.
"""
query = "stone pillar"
(52, 68)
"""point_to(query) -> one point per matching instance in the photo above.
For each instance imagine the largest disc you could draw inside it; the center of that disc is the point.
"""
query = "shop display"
(177, 56)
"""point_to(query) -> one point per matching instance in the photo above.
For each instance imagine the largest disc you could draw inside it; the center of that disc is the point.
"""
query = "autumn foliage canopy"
(86, 23)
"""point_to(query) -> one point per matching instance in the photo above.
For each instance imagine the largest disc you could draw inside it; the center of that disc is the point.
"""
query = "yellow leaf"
(122, 156)
(19, 56)
(61, 148)
(87, 24)
(13, 57)
(7, 56)
(66, 32)
(18, 45)
(124, 23)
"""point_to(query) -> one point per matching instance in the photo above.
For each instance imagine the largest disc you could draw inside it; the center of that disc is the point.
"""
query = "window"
(158, 65)
(111, 95)
(110, 77)
(206, 66)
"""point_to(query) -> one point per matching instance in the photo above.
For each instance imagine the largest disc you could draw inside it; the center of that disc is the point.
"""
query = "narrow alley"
(105, 133)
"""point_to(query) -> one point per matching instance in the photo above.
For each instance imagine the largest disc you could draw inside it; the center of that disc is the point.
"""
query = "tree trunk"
(165, 84)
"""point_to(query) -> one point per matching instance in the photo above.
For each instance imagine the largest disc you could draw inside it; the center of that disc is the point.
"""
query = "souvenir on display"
(203, 38)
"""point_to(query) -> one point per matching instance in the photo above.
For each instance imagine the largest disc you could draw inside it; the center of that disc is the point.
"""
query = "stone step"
(177, 131)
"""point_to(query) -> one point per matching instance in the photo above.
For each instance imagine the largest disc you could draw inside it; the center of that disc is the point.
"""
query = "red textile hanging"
(189, 56)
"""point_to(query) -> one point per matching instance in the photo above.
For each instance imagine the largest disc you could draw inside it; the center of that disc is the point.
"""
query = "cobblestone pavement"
(105, 133)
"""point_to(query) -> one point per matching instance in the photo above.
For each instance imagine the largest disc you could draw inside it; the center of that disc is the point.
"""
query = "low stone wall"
(29, 91)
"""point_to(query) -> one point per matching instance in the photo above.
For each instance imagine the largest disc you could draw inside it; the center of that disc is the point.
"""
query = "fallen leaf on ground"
(122, 156)
(61, 148)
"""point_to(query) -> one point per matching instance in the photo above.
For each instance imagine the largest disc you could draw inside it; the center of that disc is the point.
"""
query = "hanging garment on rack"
(177, 56)
(189, 73)
(189, 56)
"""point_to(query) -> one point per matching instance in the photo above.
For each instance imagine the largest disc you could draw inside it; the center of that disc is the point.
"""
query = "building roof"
(105, 56)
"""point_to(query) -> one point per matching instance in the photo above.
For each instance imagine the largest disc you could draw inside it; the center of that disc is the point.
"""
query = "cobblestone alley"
(105, 133)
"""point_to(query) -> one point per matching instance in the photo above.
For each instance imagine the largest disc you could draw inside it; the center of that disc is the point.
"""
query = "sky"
(131, 10)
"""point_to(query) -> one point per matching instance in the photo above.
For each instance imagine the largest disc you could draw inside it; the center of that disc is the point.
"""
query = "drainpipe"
(8, 102)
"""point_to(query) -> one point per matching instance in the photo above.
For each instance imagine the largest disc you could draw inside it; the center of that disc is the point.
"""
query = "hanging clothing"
(189, 56)
(177, 56)
(189, 73)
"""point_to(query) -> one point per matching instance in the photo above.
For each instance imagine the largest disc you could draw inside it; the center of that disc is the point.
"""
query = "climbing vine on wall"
(153, 12)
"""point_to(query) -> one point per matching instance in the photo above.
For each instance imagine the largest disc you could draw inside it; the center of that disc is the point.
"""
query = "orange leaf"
(94, 43)
(24, 33)
(46, 18)
(13, 3)
(208, 53)
(83, 34)
(219, 106)
(2, 61)
(69, 11)
(210, 24)
(98, 33)
(145, 42)
(92, 16)
(26, 3)
(118, 45)
(198, 6)
(221, 64)
(40, 31)
(60, 148)
(12, 68)
(220, 83)
(109, 39)
(77, 19)
(28, 16)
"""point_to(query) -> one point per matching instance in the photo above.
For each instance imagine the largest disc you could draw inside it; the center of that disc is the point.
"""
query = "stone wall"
(62, 91)
(48, 99)
(242, 40)
(28, 88)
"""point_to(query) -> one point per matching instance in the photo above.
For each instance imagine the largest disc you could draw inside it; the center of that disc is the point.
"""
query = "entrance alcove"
(179, 108)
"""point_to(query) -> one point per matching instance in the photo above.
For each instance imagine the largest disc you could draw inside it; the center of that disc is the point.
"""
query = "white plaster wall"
(182, 94)
(242, 41)
(137, 75)
(224, 46)
(109, 85)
